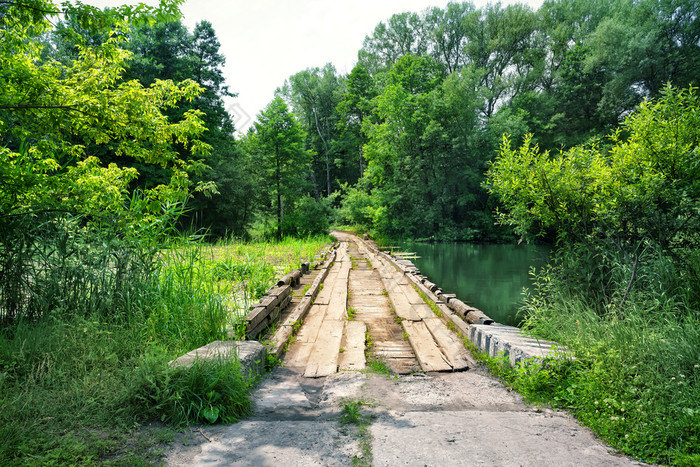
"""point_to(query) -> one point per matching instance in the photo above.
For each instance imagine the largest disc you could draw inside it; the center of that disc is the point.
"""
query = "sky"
(267, 41)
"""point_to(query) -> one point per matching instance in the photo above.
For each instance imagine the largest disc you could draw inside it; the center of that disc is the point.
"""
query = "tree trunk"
(325, 150)
(362, 162)
(279, 195)
(313, 180)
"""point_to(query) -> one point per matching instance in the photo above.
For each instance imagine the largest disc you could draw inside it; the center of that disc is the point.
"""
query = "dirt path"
(439, 409)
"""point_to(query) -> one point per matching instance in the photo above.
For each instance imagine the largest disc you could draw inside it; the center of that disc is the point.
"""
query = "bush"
(207, 392)
(357, 207)
(308, 217)
(636, 377)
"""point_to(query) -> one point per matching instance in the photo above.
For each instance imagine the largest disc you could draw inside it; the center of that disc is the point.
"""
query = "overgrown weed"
(635, 379)
(352, 415)
(77, 389)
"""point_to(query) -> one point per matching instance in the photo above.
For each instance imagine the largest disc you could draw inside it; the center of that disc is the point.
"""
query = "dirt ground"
(462, 418)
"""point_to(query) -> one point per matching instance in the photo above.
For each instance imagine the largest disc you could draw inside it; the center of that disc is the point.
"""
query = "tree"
(278, 143)
(402, 34)
(51, 112)
(398, 165)
(56, 192)
(169, 51)
(643, 193)
(448, 34)
(355, 106)
(646, 45)
(314, 94)
(500, 46)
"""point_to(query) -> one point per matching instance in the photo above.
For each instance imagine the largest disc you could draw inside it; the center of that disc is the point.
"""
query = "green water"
(489, 277)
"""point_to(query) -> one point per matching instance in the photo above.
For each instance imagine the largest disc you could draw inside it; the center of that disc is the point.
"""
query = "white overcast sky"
(266, 41)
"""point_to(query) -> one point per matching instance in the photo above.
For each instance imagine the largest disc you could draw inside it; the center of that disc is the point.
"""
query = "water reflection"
(489, 277)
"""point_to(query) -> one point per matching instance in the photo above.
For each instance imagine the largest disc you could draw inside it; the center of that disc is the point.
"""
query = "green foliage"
(357, 207)
(185, 311)
(378, 366)
(69, 222)
(352, 415)
(166, 50)
(308, 217)
(622, 291)
(634, 380)
(642, 193)
(277, 146)
(314, 94)
(72, 389)
(62, 388)
(207, 392)
(426, 107)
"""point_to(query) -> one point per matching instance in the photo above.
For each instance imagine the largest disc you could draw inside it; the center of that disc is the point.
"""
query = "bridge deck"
(368, 309)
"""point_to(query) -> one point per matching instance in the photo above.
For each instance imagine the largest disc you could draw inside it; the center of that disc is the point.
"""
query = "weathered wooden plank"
(454, 350)
(337, 308)
(337, 305)
(413, 297)
(299, 313)
(291, 278)
(323, 359)
(312, 324)
(448, 314)
(255, 316)
(427, 352)
(423, 310)
(353, 356)
(365, 283)
(400, 303)
(279, 341)
(252, 333)
(297, 357)
(470, 314)
(324, 296)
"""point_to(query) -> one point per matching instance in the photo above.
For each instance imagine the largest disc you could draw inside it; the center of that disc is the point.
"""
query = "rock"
(251, 354)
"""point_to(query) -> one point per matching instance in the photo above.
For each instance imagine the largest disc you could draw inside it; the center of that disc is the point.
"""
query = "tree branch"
(29, 7)
(33, 107)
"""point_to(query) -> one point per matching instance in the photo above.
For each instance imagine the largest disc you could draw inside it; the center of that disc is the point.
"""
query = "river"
(489, 277)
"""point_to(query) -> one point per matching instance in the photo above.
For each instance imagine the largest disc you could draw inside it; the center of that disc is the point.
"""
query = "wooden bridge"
(368, 308)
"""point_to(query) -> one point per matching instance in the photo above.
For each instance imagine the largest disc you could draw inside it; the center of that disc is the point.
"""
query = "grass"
(635, 376)
(374, 364)
(86, 390)
(635, 379)
(429, 302)
(66, 392)
(242, 272)
(352, 416)
(351, 313)
(378, 366)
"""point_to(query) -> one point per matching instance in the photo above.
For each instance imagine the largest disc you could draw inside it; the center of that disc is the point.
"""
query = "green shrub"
(308, 217)
(635, 379)
(206, 392)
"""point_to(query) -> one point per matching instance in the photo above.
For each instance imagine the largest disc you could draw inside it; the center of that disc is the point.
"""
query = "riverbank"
(635, 372)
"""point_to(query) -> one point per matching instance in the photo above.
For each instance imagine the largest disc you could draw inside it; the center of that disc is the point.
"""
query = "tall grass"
(636, 377)
(77, 385)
